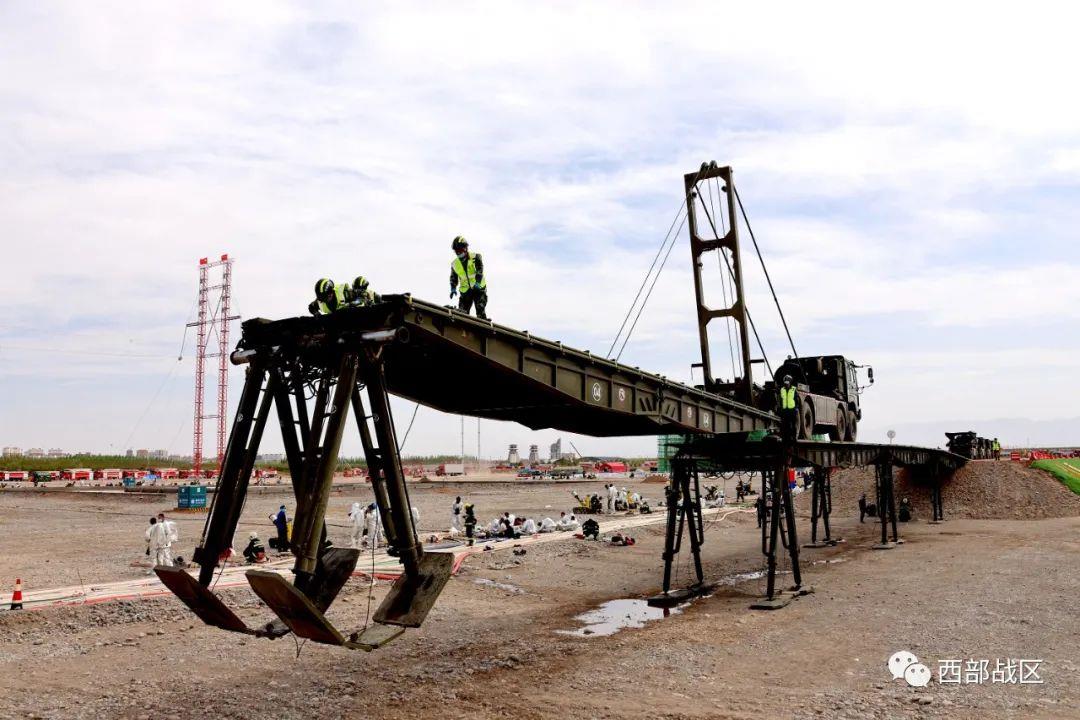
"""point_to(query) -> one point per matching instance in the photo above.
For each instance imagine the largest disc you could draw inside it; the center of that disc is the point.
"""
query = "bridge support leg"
(886, 506)
(319, 466)
(426, 574)
(233, 477)
(936, 502)
(683, 498)
(780, 519)
(821, 507)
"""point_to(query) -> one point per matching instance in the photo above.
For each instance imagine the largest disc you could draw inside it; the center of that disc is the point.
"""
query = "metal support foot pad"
(293, 607)
(824, 543)
(782, 598)
(411, 598)
(672, 598)
(202, 602)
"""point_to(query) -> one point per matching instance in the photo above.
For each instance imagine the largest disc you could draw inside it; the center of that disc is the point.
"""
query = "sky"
(912, 175)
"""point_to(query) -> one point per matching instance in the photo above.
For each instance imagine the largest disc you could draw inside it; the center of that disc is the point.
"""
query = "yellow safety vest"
(467, 273)
(339, 297)
(787, 398)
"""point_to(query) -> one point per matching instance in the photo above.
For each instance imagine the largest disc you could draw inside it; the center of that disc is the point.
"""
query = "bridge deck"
(460, 364)
(737, 453)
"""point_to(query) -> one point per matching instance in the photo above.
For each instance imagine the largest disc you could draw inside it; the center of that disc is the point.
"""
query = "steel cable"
(757, 249)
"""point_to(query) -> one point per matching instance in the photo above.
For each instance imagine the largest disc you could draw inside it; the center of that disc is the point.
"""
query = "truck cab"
(827, 390)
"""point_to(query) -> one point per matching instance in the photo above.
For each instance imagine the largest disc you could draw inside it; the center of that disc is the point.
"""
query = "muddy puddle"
(616, 615)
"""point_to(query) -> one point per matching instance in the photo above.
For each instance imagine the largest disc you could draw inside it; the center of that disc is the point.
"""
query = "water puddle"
(616, 615)
(738, 578)
(506, 587)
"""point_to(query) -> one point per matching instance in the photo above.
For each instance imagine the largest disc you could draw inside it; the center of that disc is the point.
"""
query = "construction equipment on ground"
(316, 371)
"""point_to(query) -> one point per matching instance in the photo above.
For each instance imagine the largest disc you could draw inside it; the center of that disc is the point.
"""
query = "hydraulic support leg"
(290, 438)
(886, 505)
(936, 501)
(683, 498)
(821, 508)
(319, 467)
(231, 486)
(780, 530)
(416, 590)
(228, 502)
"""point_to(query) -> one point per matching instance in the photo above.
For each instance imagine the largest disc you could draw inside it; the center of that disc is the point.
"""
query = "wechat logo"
(904, 664)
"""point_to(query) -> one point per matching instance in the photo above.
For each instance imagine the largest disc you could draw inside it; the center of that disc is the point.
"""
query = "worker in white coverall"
(372, 526)
(547, 525)
(171, 534)
(613, 498)
(455, 516)
(415, 518)
(567, 522)
(157, 542)
(528, 527)
(356, 525)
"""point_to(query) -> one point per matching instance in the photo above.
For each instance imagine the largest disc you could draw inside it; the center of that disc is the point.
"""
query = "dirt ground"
(970, 588)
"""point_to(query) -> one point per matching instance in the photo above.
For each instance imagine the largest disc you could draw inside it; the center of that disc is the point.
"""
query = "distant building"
(12, 451)
(56, 453)
(512, 457)
(35, 453)
(159, 454)
(534, 454)
(142, 453)
(129, 453)
(271, 457)
(556, 450)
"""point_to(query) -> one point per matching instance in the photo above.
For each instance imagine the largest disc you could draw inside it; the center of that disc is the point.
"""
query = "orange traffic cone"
(16, 597)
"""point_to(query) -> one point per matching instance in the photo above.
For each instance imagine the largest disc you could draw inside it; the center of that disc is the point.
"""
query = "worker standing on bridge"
(467, 279)
(789, 415)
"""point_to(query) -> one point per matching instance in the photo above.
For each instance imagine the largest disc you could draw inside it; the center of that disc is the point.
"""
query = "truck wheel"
(806, 422)
(839, 432)
(852, 427)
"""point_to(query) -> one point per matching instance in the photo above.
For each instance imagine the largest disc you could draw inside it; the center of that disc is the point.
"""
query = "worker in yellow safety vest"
(328, 297)
(467, 278)
(789, 413)
(997, 449)
(360, 294)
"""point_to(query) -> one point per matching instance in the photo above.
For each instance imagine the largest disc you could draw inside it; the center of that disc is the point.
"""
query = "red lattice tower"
(210, 321)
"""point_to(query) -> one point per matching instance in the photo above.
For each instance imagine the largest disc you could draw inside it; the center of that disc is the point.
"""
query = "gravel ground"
(983, 489)
(966, 589)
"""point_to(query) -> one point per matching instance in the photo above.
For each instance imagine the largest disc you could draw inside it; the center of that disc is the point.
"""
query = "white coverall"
(415, 519)
(356, 526)
(612, 493)
(455, 517)
(174, 536)
(568, 523)
(547, 525)
(157, 539)
(374, 527)
(528, 527)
